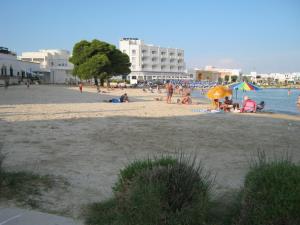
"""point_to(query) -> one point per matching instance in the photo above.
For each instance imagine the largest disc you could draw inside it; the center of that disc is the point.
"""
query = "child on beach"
(80, 87)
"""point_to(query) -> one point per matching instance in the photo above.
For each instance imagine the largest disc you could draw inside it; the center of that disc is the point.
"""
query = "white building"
(225, 72)
(14, 70)
(273, 78)
(55, 61)
(149, 62)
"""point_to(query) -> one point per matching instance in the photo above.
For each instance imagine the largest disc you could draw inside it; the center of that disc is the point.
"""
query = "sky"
(253, 35)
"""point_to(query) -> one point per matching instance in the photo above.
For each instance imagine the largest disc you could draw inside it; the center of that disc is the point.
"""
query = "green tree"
(98, 60)
(220, 80)
(234, 78)
(226, 78)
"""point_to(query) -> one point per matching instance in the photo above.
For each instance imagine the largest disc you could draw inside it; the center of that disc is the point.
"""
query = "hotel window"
(133, 67)
(179, 54)
(3, 70)
(162, 53)
(153, 52)
(133, 52)
(133, 59)
(11, 71)
(124, 51)
(144, 51)
(171, 53)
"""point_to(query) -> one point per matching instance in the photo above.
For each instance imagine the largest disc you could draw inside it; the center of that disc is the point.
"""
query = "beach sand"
(56, 130)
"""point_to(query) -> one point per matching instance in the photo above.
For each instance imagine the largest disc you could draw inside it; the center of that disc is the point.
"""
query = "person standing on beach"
(80, 87)
(169, 89)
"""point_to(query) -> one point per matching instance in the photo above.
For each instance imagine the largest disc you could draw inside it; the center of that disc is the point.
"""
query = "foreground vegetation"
(271, 194)
(168, 190)
(23, 188)
(159, 191)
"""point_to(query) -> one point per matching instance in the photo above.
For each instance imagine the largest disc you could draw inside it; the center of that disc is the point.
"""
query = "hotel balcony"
(146, 59)
(173, 61)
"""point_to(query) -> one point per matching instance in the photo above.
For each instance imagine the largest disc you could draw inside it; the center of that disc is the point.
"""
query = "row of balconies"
(163, 68)
(162, 60)
(162, 55)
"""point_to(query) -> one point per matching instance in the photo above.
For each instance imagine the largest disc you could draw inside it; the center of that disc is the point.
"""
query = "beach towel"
(206, 111)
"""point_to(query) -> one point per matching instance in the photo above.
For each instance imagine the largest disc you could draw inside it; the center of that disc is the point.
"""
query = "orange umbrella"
(218, 92)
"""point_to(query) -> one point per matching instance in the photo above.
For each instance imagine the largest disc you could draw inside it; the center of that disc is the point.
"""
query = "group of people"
(248, 105)
(185, 93)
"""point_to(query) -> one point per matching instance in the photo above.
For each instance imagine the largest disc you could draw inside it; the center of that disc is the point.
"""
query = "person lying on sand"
(122, 99)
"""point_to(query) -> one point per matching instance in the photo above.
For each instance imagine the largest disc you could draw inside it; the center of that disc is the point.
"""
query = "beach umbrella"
(243, 86)
(218, 92)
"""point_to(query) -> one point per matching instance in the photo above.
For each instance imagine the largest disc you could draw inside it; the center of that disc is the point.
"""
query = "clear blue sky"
(261, 35)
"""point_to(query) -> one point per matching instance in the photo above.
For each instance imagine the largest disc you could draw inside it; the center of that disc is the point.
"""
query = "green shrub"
(102, 213)
(169, 191)
(271, 194)
(133, 169)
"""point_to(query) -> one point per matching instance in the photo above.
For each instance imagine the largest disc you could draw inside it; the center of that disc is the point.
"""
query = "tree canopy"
(97, 59)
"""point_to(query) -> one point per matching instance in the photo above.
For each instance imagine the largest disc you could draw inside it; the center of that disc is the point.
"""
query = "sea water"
(276, 100)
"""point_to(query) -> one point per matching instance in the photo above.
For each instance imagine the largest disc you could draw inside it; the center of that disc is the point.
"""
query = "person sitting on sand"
(228, 105)
(248, 105)
(260, 106)
(187, 100)
(216, 104)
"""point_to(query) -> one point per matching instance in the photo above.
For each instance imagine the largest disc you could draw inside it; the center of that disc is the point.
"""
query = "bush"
(165, 191)
(102, 213)
(136, 167)
(271, 194)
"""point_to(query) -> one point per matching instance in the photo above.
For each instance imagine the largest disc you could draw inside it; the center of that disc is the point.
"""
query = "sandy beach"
(59, 131)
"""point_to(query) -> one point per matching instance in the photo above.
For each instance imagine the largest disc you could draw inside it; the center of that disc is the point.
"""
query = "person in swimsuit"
(170, 89)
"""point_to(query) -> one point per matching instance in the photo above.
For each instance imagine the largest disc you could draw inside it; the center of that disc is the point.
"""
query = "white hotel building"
(149, 62)
(55, 61)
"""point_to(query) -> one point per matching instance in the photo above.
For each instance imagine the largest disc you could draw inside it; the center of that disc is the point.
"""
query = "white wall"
(56, 61)
(147, 61)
